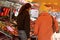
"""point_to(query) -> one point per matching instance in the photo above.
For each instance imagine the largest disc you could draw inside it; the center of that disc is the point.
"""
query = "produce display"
(8, 29)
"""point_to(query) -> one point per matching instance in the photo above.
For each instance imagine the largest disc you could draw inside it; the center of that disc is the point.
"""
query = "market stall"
(7, 26)
(9, 12)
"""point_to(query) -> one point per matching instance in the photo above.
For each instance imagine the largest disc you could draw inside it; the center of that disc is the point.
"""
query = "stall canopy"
(55, 3)
(19, 1)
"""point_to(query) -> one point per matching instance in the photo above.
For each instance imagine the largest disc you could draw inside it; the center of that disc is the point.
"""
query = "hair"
(24, 7)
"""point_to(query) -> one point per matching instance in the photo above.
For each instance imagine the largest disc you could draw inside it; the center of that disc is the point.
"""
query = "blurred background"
(9, 10)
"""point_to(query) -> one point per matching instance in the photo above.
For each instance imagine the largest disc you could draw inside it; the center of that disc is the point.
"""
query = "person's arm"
(56, 25)
(36, 27)
(27, 24)
(20, 21)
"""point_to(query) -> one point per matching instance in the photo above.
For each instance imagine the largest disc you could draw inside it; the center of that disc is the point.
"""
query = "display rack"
(5, 33)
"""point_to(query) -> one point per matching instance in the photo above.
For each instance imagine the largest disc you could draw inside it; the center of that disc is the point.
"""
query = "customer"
(44, 26)
(23, 21)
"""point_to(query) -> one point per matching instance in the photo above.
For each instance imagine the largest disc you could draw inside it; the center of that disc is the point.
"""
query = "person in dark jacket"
(23, 21)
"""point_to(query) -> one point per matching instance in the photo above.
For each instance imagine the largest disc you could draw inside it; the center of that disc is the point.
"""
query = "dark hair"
(24, 7)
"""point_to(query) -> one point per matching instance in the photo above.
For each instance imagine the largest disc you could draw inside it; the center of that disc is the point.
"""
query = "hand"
(15, 22)
(57, 32)
(31, 33)
(29, 39)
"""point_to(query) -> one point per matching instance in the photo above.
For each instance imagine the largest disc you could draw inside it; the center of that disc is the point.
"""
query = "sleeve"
(27, 24)
(36, 27)
(56, 25)
(20, 21)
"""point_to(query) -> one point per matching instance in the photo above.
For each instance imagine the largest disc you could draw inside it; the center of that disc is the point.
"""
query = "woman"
(23, 21)
(44, 26)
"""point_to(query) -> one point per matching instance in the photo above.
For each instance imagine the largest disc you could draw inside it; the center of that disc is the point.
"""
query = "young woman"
(23, 21)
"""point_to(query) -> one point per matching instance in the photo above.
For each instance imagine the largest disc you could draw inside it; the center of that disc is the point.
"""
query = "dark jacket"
(23, 22)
